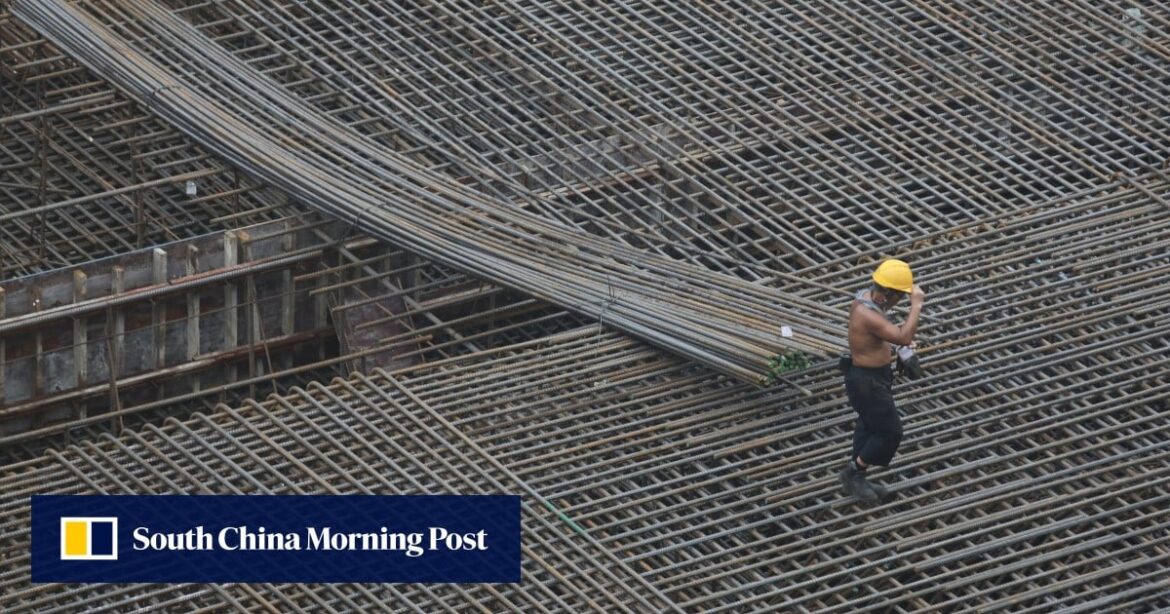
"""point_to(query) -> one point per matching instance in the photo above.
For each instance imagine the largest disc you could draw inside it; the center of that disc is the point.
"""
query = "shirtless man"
(869, 378)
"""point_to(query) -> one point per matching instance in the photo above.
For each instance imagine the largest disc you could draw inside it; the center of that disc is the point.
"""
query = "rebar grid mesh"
(87, 173)
(774, 136)
(720, 495)
(1032, 476)
(868, 126)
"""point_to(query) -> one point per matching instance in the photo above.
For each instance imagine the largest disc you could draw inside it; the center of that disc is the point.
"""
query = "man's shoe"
(854, 484)
(882, 492)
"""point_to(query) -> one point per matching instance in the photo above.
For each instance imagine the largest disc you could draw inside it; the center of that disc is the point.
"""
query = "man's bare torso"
(865, 347)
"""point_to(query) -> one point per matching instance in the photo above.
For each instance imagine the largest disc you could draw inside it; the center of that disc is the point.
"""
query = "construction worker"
(869, 377)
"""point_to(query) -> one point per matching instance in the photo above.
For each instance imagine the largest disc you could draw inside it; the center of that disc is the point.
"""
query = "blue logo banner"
(360, 538)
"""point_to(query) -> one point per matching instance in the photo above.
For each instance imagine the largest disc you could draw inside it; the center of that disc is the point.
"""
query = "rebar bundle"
(246, 118)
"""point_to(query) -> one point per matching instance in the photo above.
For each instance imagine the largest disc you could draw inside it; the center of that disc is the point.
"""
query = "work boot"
(855, 484)
(882, 492)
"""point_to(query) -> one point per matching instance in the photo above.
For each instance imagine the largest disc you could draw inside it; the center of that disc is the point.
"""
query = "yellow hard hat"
(895, 275)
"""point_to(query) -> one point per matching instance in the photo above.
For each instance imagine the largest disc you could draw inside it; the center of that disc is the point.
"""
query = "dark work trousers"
(879, 429)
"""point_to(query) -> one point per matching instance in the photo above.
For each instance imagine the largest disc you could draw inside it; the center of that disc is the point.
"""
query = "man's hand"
(917, 295)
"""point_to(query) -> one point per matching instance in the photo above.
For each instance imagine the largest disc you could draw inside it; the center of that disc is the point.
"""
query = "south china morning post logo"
(89, 538)
(244, 538)
(213, 539)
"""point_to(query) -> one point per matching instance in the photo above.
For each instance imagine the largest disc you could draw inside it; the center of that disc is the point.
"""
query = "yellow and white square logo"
(89, 539)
